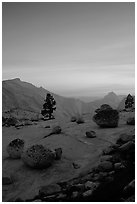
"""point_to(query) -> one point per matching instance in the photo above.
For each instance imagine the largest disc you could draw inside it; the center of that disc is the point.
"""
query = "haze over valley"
(68, 102)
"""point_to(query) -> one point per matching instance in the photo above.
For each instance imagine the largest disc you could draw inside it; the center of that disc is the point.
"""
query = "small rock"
(48, 190)
(87, 193)
(111, 173)
(80, 120)
(76, 166)
(58, 153)
(102, 176)
(91, 134)
(6, 181)
(127, 146)
(90, 185)
(56, 130)
(116, 158)
(18, 127)
(129, 189)
(131, 121)
(106, 158)
(80, 187)
(73, 119)
(109, 150)
(61, 196)
(47, 126)
(119, 166)
(96, 177)
(125, 138)
(49, 198)
(105, 166)
(75, 194)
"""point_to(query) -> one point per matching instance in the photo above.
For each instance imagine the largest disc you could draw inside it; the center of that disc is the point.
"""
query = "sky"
(72, 49)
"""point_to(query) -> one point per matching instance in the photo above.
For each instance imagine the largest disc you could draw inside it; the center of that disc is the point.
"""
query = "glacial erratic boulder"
(37, 156)
(15, 148)
(106, 117)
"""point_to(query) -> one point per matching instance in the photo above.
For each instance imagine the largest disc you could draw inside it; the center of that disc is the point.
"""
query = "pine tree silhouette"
(129, 101)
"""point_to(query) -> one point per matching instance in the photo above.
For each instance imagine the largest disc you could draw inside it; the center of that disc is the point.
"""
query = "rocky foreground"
(96, 165)
(113, 179)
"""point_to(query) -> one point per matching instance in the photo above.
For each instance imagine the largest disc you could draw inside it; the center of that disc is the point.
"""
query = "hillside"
(17, 94)
(23, 96)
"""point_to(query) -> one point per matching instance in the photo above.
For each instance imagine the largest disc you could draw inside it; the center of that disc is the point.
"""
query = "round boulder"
(37, 156)
(15, 148)
(91, 134)
(106, 118)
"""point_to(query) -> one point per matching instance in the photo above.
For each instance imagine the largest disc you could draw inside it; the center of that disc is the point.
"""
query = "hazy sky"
(73, 49)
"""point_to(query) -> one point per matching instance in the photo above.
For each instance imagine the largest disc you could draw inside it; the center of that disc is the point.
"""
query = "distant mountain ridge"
(111, 99)
(17, 94)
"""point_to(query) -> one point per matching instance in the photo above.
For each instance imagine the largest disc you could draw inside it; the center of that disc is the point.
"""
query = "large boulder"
(106, 117)
(15, 148)
(37, 156)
